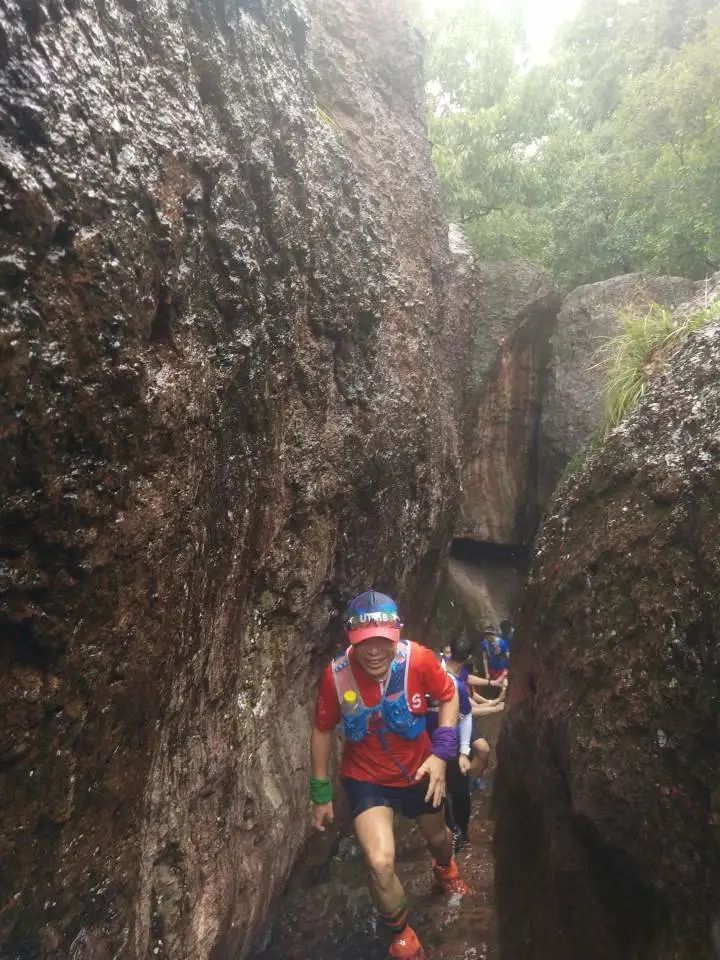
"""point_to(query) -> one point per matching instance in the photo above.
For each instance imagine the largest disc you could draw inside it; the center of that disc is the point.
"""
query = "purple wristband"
(445, 743)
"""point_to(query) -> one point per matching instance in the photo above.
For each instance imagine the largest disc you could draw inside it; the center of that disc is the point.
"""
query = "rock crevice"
(513, 310)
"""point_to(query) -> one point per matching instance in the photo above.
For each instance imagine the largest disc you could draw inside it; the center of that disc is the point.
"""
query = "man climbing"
(482, 707)
(496, 652)
(377, 688)
(467, 773)
(458, 787)
(475, 767)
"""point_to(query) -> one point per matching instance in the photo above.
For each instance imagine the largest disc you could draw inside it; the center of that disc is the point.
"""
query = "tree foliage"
(602, 161)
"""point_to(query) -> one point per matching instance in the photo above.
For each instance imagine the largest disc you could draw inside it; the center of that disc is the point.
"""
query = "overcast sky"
(543, 17)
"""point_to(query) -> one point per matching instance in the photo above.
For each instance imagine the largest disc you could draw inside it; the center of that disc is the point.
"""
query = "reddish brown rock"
(226, 405)
(515, 313)
(512, 309)
(609, 788)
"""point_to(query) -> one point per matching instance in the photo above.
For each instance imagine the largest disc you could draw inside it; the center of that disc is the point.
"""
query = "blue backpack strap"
(340, 661)
(397, 682)
(355, 727)
(343, 676)
(396, 702)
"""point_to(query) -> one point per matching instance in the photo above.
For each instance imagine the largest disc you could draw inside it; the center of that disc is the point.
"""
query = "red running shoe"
(406, 946)
(449, 878)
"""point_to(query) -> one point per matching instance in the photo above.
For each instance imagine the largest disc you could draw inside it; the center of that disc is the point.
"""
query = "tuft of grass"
(327, 119)
(641, 351)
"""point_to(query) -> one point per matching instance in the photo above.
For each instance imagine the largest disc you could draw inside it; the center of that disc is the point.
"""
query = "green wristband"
(321, 791)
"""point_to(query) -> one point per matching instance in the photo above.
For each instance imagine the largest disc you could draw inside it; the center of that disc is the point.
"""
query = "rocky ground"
(327, 915)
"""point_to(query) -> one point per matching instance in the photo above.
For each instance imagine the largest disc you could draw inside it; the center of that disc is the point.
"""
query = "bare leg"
(437, 836)
(374, 830)
(481, 758)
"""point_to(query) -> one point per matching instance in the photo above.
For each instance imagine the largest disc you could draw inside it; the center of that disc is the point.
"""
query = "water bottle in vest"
(350, 705)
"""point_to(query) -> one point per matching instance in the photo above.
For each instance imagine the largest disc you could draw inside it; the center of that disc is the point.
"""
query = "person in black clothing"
(457, 806)
(457, 801)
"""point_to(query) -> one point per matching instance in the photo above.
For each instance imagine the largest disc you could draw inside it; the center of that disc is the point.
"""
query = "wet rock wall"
(608, 797)
(512, 308)
(505, 393)
(226, 404)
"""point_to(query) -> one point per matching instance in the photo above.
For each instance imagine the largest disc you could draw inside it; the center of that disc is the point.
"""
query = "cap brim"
(367, 633)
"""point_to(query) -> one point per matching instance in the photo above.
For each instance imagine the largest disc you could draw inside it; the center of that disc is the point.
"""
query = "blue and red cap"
(372, 614)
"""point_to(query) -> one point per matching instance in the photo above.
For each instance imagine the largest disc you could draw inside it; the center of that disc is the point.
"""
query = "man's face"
(446, 649)
(375, 655)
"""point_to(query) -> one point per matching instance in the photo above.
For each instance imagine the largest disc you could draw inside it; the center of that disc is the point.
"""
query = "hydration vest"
(393, 708)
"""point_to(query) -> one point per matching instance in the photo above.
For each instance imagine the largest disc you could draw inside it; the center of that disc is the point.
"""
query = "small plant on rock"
(641, 351)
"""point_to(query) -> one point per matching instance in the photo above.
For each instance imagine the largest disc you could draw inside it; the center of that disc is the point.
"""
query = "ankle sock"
(396, 921)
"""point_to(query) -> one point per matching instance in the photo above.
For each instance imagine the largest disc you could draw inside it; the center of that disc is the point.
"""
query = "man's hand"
(464, 763)
(434, 769)
(479, 699)
(321, 813)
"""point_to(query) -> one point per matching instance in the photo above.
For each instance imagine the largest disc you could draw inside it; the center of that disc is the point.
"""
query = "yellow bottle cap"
(350, 696)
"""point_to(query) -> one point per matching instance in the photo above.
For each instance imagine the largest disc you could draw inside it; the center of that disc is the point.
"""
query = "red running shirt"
(368, 760)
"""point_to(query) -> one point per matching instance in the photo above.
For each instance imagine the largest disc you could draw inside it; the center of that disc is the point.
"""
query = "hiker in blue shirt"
(457, 807)
(496, 652)
(474, 752)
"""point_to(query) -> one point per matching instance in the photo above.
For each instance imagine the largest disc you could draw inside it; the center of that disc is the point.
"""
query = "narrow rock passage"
(326, 912)
(488, 581)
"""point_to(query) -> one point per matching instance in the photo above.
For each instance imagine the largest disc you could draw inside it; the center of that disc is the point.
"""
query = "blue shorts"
(410, 800)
